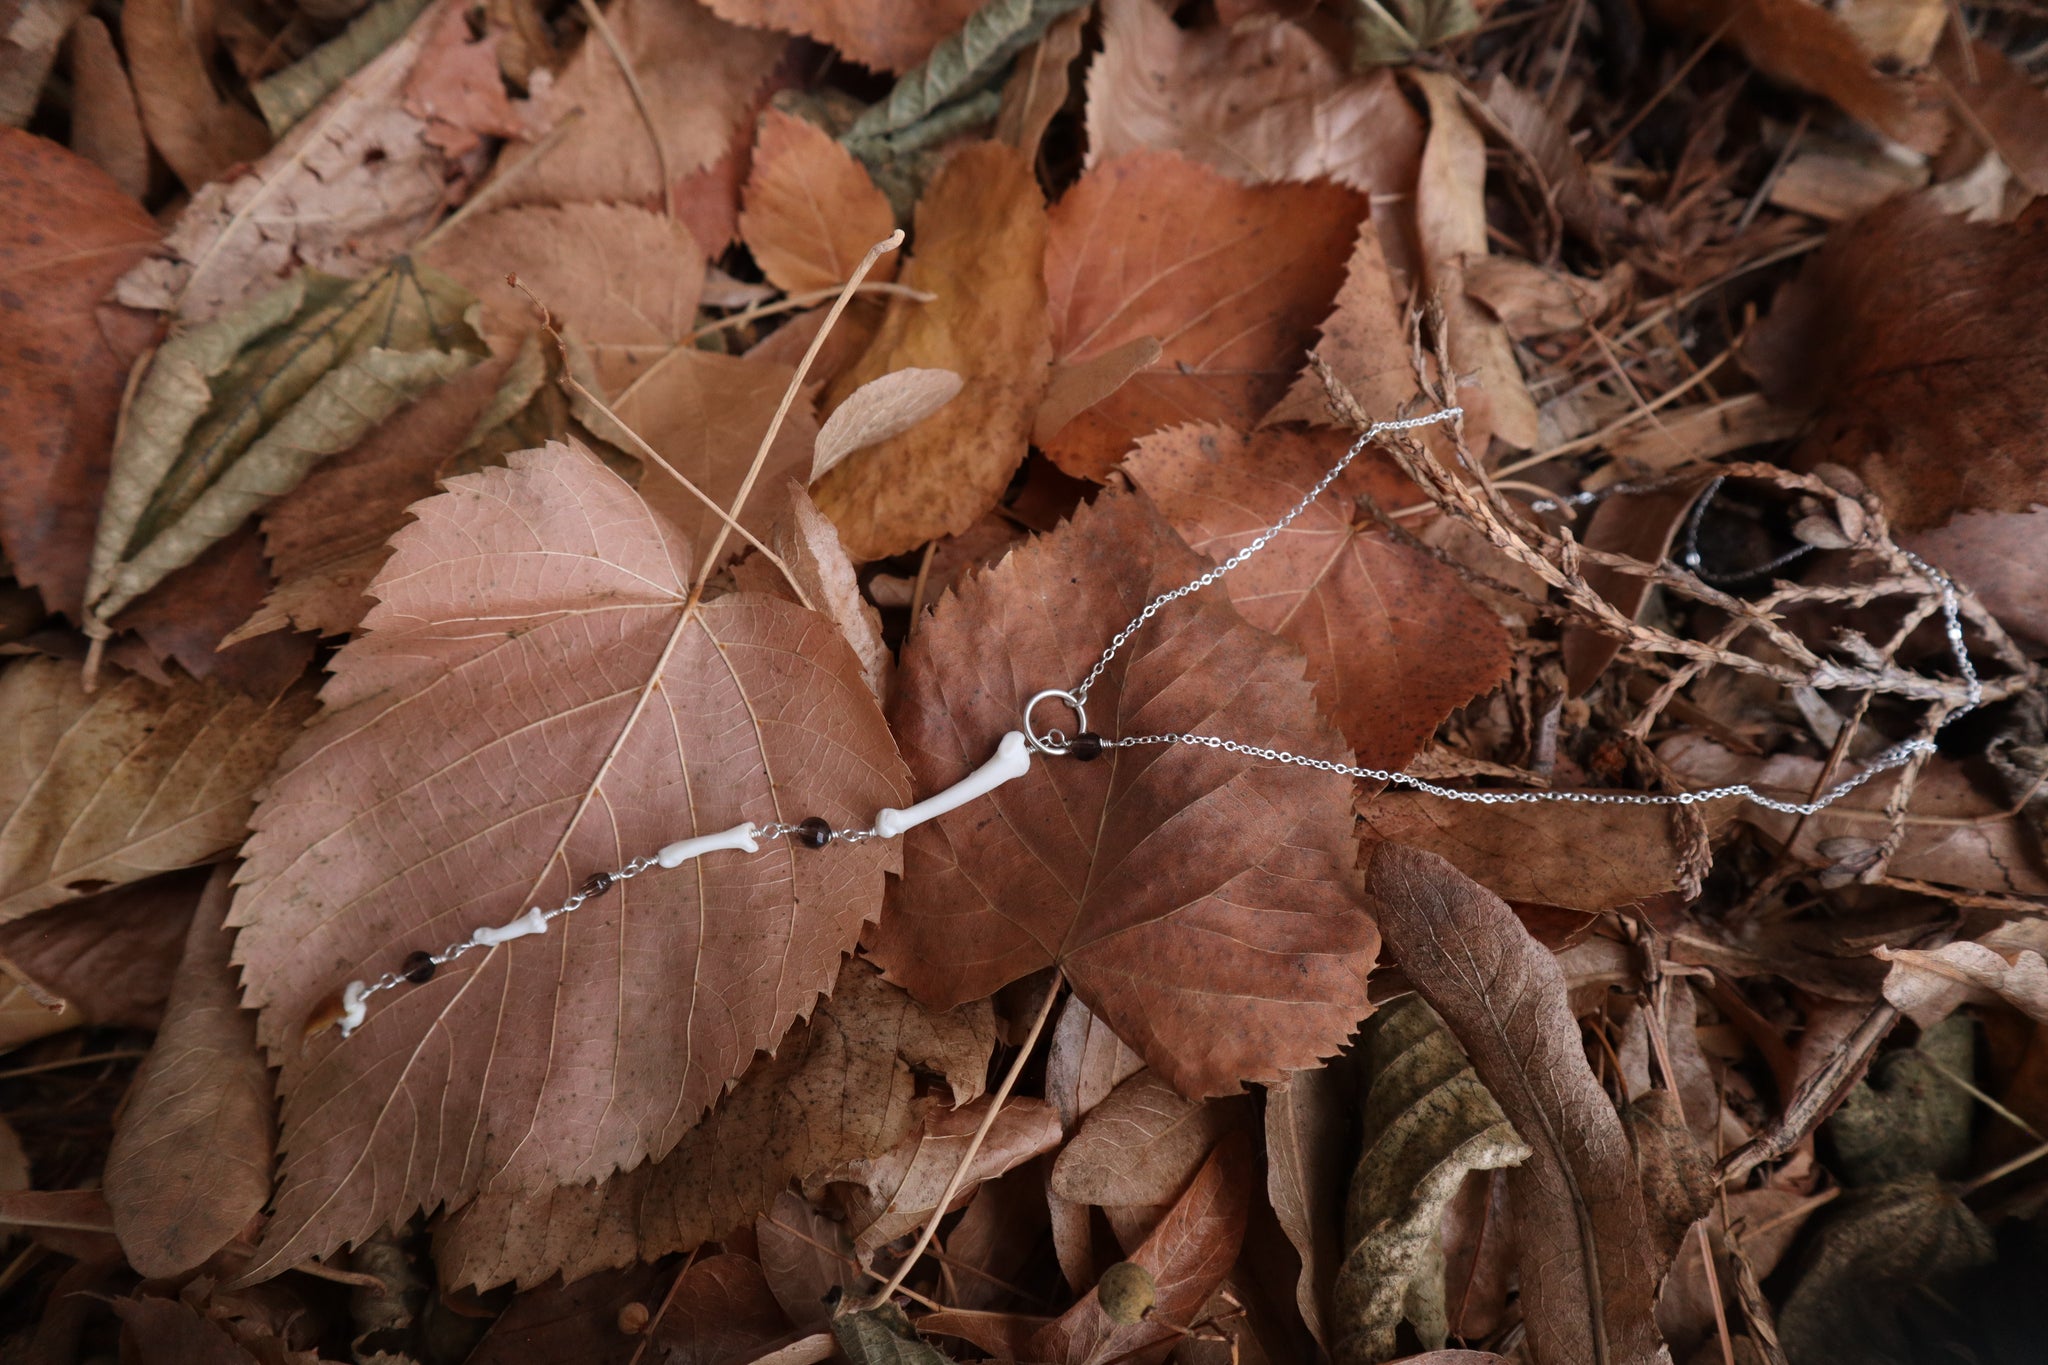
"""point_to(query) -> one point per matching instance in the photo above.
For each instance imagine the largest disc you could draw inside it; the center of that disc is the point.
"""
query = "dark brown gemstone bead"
(418, 968)
(595, 885)
(1087, 745)
(813, 833)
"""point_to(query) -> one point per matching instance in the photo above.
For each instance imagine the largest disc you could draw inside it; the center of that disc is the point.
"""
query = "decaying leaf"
(882, 408)
(1085, 1062)
(1589, 1287)
(883, 1336)
(106, 127)
(1364, 342)
(1239, 965)
(1907, 1117)
(841, 1087)
(631, 716)
(105, 788)
(1394, 641)
(1228, 278)
(876, 33)
(981, 234)
(198, 132)
(106, 960)
(234, 412)
(809, 546)
(190, 1162)
(805, 1256)
(1642, 526)
(1310, 1123)
(28, 50)
(811, 211)
(1429, 1121)
(1396, 30)
(288, 95)
(1143, 1144)
(2006, 964)
(1039, 82)
(959, 66)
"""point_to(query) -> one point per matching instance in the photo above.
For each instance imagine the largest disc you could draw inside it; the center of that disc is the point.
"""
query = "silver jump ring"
(1053, 743)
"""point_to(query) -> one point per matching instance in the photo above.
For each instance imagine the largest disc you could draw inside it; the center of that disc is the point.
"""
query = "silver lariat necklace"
(1014, 752)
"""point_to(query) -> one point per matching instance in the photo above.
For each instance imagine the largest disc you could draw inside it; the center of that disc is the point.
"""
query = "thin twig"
(119, 1055)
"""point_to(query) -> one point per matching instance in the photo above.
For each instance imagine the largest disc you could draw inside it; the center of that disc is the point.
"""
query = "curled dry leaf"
(198, 132)
(1429, 1122)
(1394, 641)
(824, 576)
(1642, 526)
(1310, 1122)
(1919, 337)
(1239, 965)
(106, 128)
(1364, 342)
(458, 84)
(949, 89)
(1589, 1288)
(189, 1167)
(2002, 557)
(1073, 389)
(881, 409)
(105, 788)
(876, 33)
(350, 186)
(1143, 1144)
(841, 1087)
(804, 1257)
(234, 412)
(981, 233)
(720, 1310)
(630, 716)
(2003, 107)
(811, 211)
(2005, 964)
(1228, 278)
(1039, 84)
(28, 51)
(106, 960)
(1084, 1063)
(68, 235)
(883, 1336)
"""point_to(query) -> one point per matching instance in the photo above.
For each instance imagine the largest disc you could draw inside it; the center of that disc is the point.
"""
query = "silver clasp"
(1053, 742)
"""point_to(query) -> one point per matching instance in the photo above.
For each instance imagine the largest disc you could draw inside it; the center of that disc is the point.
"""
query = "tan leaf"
(805, 1256)
(720, 1311)
(1533, 300)
(199, 133)
(106, 127)
(2005, 964)
(104, 788)
(2003, 557)
(28, 51)
(1260, 102)
(1394, 641)
(106, 960)
(811, 211)
(457, 86)
(631, 715)
(2004, 107)
(699, 76)
(1581, 857)
(351, 185)
(1642, 526)
(1310, 1123)
(881, 409)
(1450, 211)
(1073, 389)
(981, 233)
(190, 1162)
(1229, 278)
(809, 546)
(1084, 1062)
(1365, 342)
(1589, 1288)
(1143, 1144)
(841, 1087)
(1039, 84)
(881, 34)
(1239, 964)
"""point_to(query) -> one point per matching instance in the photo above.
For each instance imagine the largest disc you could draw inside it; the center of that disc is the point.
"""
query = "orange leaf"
(886, 35)
(811, 211)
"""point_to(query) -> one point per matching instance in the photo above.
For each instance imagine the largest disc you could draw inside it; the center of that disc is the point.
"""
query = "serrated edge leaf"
(960, 65)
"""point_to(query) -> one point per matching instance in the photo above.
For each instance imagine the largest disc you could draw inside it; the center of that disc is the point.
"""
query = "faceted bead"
(595, 885)
(1087, 745)
(418, 968)
(813, 833)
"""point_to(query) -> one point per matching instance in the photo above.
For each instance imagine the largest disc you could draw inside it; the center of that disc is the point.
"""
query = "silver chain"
(1894, 757)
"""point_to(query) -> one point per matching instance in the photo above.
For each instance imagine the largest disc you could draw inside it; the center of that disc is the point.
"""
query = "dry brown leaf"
(1039, 83)
(809, 546)
(811, 211)
(1450, 212)
(805, 1256)
(69, 235)
(1187, 1256)
(981, 233)
(2002, 557)
(1260, 101)
(28, 51)
(173, 1331)
(1073, 389)
(1394, 641)
(104, 788)
(1364, 341)
(1534, 127)
(106, 127)
(1919, 338)
(1143, 1144)
(630, 717)
(1310, 1124)
(841, 1087)
(199, 133)
(1084, 1062)
(1590, 858)
(893, 1193)
(351, 185)
(189, 1167)
(1239, 964)
(1228, 278)
(700, 77)
(1704, 431)
(1589, 1289)
(719, 1311)
(886, 35)
(1642, 526)
(1533, 300)
(107, 960)
(457, 86)
(1954, 834)
(2003, 108)
(576, 1323)
(2005, 964)
(879, 410)
(623, 282)
(1809, 46)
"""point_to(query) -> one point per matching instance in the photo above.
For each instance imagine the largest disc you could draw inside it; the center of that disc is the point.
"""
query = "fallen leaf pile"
(452, 451)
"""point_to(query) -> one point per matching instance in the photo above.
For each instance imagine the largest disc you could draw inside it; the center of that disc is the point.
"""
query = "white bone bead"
(353, 1008)
(740, 837)
(534, 921)
(1012, 760)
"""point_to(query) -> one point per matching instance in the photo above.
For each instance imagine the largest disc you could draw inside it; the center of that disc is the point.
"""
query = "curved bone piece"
(354, 1009)
(740, 837)
(534, 921)
(1012, 760)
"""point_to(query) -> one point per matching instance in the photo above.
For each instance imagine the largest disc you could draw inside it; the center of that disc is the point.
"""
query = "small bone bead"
(739, 837)
(1012, 760)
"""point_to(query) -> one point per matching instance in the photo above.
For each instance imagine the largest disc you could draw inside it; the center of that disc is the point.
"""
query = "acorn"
(1126, 1292)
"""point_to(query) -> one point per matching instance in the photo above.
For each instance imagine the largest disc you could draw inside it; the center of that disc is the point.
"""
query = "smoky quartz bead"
(418, 968)
(595, 885)
(813, 833)
(1087, 745)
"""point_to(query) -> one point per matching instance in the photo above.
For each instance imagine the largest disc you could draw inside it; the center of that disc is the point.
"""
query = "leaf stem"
(988, 1121)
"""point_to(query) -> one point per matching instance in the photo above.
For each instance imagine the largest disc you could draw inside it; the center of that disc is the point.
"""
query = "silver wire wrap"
(1894, 757)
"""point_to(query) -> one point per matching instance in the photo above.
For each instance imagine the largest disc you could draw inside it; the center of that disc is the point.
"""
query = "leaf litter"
(470, 474)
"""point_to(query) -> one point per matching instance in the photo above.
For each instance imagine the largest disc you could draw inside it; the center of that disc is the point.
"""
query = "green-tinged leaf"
(533, 405)
(233, 413)
(1428, 1122)
(962, 65)
(1388, 32)
(1906, 1117)
(883, 1336)
(290, 94)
